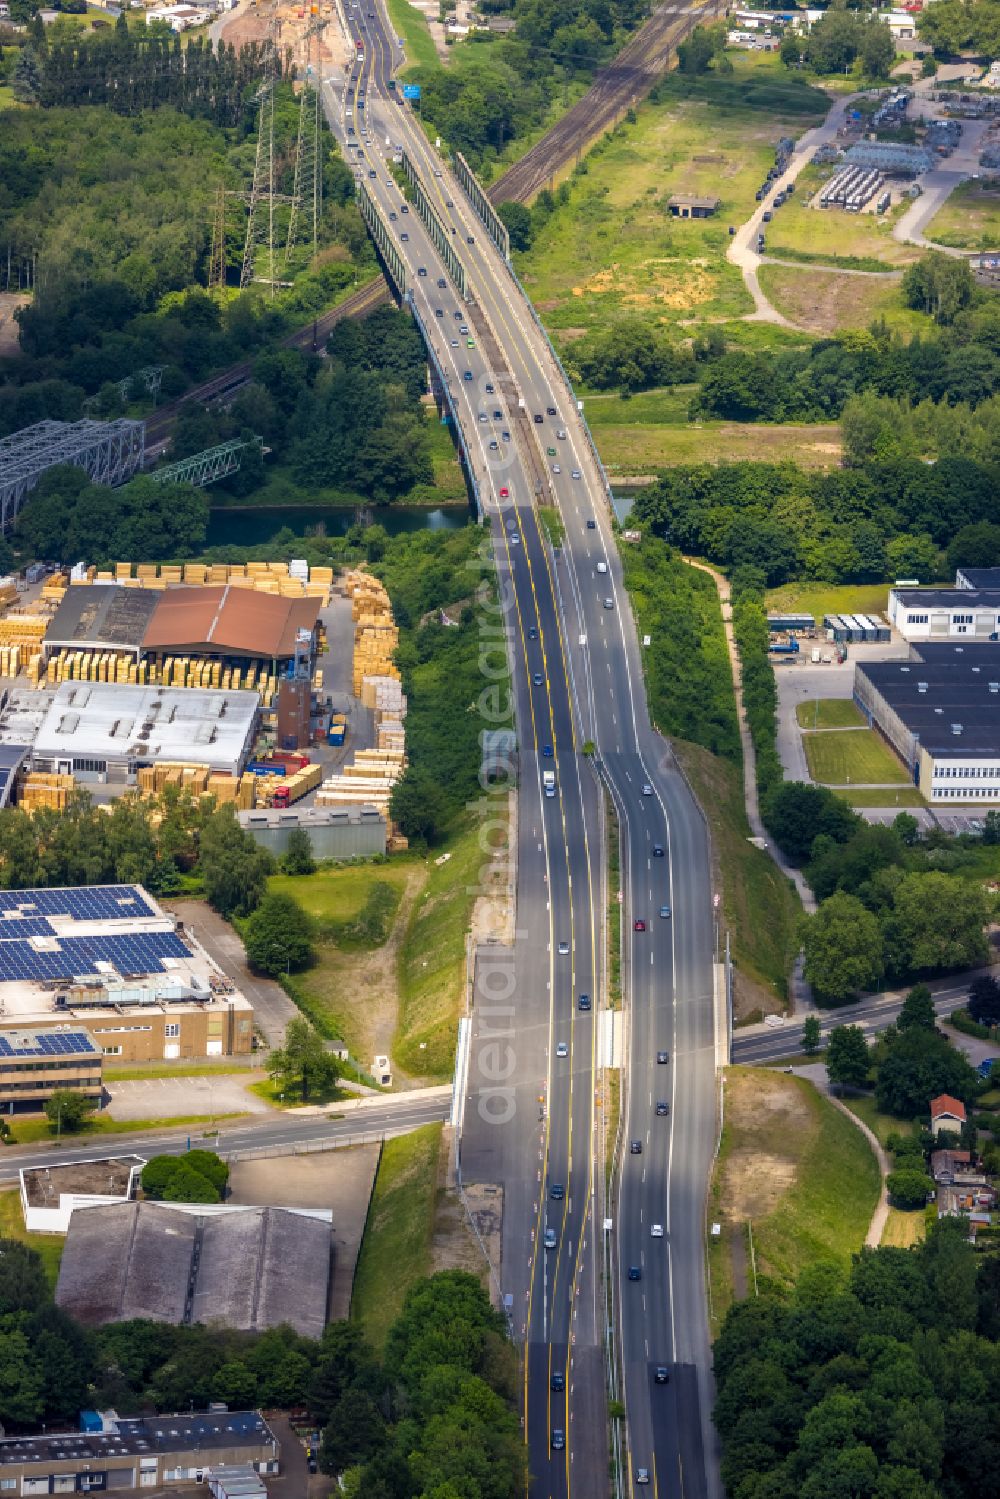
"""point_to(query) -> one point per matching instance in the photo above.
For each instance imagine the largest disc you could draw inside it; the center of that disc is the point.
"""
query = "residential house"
(947, 1114)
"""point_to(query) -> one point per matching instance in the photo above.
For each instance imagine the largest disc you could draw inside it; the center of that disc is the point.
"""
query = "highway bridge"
(631, 1256)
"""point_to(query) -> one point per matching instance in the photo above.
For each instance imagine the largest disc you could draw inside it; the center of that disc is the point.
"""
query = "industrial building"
(34, 1064)
(105, 959)
(945, 613)
(99, 731)
(248, 1268)
(136, 1454)
(51, 1194)
(978, 577)
(942, 717)
(682, 206)
(348, 832)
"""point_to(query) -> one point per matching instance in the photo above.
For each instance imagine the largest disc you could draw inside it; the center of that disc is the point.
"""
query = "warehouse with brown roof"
(228, 621)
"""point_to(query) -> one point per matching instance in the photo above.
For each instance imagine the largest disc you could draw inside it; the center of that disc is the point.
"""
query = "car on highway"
(439, 312)
(558, 1439)
(550, 452)
(497, 415)
(489, 392)
(635, 1147)
(551, 410)
(404, 236)
(470, 343)
(449, 203)
(634, 1272)
(662, 1058)
(602, 568)
(532, 632)
(609, 603)
(766, 216)
(557, 1191)
(454, 342)
(665, 911)
(438, 172)
(564, 947)
(467, 375)
(656, 1230)
(404, 207)
(546, 752)
(592, 525)
(639, 925)
(577, 474)
(458, 314)
(470, 239)
(536, 677)
(647, 789)
(561, 433)
(504, 492)
(550, 1238)
(505, 436)
(562, 1050)
(372, 173)
(662, 1108)
(442, 282)
(642, 1475)
(662, 1375)
(583, 1002)
(556, 469)
(392, 218)
(464, 328)
(494, 445)
(657, 850)
(558, 1381)
(515, 539)
(538, 418)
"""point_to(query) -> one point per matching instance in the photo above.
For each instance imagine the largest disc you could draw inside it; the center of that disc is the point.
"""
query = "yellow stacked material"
(170, 574)
(246, 797)
(281, 568)
(224, 788)
(240, 580)
(123, 570)
(8, 593)
(322, 575)
(105, 577)
(23, 629)
(45, 790)
(194, 572)
(145, 571)
(303, 781)
(255, 569)
(218, 573)
(291, 588)
(193, 777)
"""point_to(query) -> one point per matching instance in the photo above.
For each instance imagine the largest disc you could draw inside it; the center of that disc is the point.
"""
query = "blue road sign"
(411, 90)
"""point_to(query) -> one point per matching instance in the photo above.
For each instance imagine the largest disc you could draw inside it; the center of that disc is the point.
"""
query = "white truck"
(549, 782)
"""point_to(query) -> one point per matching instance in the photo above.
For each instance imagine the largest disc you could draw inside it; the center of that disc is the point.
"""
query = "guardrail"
(439, 235)
(448, 400)
(384, 241)
(491, 220)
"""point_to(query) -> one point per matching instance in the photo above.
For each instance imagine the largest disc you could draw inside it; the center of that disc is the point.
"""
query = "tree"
(915, 1067)
(937, 922)
(23, 1286)
(976, 545)
(27, 78)
(984, 1000)
(187, 1185)
(354, 1432)
(877, 51)
(909, 1189)
(940, 285)
(796, 814)
(298, 856)
(811, 1037)
(278, 936)
(417, 804)
(233, 867)
(847, 1059)
(695, 55)
(843, 948)
(67, 1110)
(518, 222)
(197, 1176)
(917, 1010)
(303, 1065)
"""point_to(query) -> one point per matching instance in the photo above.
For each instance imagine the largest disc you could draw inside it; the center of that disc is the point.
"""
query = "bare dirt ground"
(246, 25)
(9, 302)
(755, 1180)
(493, 912)
(338, 1179)
(373, 978)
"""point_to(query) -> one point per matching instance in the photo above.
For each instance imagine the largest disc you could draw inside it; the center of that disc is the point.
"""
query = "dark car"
(421, 270)
(657, 850)
(538, 418)
(558, 1439)
(469, 240)
(441, 281)
(546, 752)
(404, 207)
(662, 1108)
(532, 632)
(635, 1148)
(662, 1375)
(551, 410)
(634, 1272)
(558, 1381)
(489, 387)
(663, 1057)
(584, 1002)
(557, 1191)
(592, 525)
(639, 926)
(537, 678)
(766, 216)
(468, 375)
(312, 1465)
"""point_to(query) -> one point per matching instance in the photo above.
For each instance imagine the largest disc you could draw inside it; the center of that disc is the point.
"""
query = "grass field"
(820, 599)
(904, 1229)
(114, 1074)
(417, 40)
(891, 796)
(341, 900)
(432, 959)
(49, 1246)
(7, 100)
(833, 302)
(881, 1125)
(840, 757)
(31, 1131)
(396, 1249)
(828, 713)
(793, 1167)
(970, 218)
(759, 907)
(829, 235)
(613, 250)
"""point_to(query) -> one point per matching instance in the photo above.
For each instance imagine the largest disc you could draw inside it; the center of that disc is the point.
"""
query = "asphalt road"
(394, 1115)
(577, 677)
(770, 1043)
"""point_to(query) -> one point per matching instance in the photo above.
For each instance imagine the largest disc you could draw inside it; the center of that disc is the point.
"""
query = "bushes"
(760, 692)
(198, 1176)
(278, 936)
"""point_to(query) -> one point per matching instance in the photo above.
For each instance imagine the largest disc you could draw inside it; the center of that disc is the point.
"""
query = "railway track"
(619, 86)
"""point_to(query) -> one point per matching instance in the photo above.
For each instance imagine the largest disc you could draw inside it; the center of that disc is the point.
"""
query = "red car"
(504, 492)
(640, 926)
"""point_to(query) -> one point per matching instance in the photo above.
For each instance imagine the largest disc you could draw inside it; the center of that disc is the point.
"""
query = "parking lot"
(180, 1097)
(803, 680)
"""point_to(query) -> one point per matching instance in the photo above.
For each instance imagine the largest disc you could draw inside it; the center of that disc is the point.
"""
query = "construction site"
(264, 685)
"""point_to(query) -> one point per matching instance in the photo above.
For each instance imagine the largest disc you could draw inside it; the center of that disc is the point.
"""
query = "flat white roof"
(117, 722)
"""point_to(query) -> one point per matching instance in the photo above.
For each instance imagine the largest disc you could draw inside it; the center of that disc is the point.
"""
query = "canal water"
(257, 525)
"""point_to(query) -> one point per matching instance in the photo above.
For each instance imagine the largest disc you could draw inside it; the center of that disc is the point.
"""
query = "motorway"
(395, 1115)
(577, 677)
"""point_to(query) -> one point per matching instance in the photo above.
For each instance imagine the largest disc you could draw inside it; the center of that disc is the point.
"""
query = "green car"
(551, 452)
(470, 343)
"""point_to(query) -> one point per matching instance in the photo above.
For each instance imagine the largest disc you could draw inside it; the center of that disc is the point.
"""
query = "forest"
(880, 1382)
(435, 1414)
